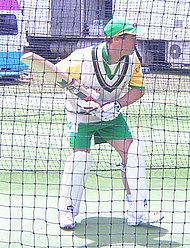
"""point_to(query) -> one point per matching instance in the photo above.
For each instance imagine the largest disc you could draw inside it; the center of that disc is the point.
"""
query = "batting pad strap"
(123, 167)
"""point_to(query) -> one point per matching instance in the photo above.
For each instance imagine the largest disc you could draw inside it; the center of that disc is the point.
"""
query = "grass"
(29, 216)
(33, 150)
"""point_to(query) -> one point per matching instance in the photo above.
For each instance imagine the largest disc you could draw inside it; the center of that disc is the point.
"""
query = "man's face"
(127, 44)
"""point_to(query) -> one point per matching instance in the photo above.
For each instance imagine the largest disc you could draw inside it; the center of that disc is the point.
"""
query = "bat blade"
(50, 72)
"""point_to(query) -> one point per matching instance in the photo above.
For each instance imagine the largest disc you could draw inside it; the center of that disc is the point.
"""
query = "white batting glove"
(108, 111)
(87, 107)
(94, 94)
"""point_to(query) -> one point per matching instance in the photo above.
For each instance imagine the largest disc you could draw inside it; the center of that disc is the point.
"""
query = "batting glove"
(94, 94)
(109, 111)
(87, 107)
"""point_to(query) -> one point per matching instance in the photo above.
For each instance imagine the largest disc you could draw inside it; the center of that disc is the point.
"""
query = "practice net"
(33, 129)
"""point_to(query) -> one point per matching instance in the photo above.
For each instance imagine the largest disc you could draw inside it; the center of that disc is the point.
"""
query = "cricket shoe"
(67, 221)
(144, 217)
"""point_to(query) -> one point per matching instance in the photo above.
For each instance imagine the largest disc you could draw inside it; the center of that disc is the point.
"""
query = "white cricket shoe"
(67, 221)
(145, 217)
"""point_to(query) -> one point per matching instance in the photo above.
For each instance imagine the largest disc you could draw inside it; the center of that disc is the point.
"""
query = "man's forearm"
(130, 97)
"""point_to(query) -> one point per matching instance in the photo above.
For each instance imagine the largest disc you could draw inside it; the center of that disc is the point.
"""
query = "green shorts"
(116, 129)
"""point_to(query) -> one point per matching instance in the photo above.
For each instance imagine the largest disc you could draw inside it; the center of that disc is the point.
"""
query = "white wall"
(37, 14)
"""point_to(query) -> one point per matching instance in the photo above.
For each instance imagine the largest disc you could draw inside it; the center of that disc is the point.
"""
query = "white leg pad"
(136, 174)
(76, 169)
(138, 209)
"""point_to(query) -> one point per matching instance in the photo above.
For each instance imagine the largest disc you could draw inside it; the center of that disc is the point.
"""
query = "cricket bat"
(52, 73)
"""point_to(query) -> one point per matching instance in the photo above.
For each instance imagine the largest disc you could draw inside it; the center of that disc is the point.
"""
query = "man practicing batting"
(105, 70)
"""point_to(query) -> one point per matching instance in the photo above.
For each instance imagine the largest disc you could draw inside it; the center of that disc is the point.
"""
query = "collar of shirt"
(111, 70)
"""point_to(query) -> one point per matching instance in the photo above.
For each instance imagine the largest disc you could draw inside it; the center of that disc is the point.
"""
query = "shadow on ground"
(113, 232)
